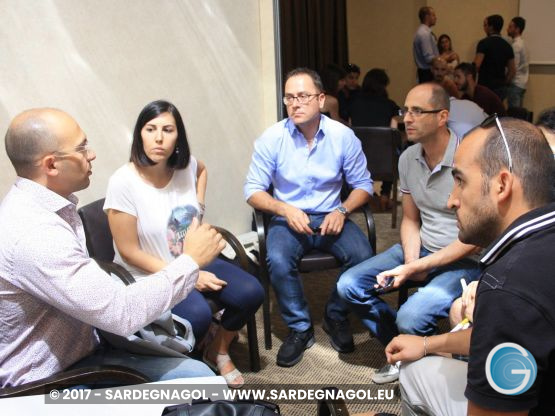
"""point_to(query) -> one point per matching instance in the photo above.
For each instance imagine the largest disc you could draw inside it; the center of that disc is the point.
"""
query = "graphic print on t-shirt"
(178, 223)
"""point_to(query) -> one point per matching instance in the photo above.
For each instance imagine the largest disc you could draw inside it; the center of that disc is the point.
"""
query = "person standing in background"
(424, 45)
(517, 88)
(495, 59)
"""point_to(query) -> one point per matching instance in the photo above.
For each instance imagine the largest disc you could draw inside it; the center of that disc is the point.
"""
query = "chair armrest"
(86, 375)
(370, 226)
(119, 271)
(236, 245)
(259, 223)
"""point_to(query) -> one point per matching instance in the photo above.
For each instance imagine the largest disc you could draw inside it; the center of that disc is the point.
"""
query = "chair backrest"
(381, 146)
(521, 113)
(97, 231)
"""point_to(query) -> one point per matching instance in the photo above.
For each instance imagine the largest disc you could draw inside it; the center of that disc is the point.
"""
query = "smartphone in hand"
(382, 289)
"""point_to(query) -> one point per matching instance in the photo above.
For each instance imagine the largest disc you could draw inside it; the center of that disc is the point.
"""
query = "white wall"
(103, 60)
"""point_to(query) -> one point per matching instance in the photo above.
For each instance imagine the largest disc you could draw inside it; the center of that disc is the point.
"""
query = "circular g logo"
(510, 369)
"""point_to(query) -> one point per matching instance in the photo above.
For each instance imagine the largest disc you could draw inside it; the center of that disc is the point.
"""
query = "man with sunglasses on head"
(306, 158)
(430, 253)
(503, 200)
(53, 294)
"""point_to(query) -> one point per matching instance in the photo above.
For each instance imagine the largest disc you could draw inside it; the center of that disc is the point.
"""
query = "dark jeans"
(241, 298)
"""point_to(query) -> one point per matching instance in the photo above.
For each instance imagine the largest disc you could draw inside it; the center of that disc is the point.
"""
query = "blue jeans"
(154, 367)
(420, 313)
(515, 95)
(286, 247)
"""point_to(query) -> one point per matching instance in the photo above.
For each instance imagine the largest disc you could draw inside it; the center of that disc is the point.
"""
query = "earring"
(177, 150)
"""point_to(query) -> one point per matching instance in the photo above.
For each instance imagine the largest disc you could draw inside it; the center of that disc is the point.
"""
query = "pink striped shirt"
(52, 294)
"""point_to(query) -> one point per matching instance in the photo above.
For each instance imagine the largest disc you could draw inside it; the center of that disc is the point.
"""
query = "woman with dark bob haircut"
(150, 202)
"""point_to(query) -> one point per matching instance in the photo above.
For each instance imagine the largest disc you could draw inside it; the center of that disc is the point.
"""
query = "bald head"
(439, 68)
(33, 134)
(436, 95)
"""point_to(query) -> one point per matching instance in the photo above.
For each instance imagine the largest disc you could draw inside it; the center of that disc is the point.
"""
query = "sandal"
(221, 361)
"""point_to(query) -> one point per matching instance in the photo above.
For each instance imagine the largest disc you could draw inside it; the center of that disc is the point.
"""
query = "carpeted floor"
(321, 364)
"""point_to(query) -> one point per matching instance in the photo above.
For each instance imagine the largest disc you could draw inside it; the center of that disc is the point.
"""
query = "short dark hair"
(547, 119)
(496, 22)
(331, 75)
(532, 159)
(306, 71)
(467, 68)
(375, 82)
(423, 12)
(519, 22)
(181, 154)
(352, 68)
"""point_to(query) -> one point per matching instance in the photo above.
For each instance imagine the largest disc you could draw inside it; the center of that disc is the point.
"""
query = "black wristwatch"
(343, 210)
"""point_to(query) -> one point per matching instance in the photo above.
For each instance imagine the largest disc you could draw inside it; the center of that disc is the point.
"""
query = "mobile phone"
(316, 230)
(383, 289)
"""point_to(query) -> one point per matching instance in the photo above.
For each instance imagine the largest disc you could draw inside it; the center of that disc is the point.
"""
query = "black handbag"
(223, 408)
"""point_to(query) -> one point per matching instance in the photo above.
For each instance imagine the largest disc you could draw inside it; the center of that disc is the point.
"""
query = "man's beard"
(464, 87)
(482, 228)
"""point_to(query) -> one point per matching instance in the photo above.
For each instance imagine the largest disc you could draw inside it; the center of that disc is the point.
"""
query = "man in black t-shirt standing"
(495, 59)
(503, 197)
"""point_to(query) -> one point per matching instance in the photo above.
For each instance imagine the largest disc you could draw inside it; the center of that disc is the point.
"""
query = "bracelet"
(202, 206)
(425, 346)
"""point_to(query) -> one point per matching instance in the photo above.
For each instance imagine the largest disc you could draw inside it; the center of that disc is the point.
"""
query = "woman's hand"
(208, 282)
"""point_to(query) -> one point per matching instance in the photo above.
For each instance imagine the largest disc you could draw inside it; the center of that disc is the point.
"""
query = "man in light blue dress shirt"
(424, 44)
(305, 158)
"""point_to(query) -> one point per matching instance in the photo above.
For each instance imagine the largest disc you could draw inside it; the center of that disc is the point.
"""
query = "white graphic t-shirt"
(163, 214)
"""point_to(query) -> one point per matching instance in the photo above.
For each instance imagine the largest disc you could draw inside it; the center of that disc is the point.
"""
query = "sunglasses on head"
(493, 120)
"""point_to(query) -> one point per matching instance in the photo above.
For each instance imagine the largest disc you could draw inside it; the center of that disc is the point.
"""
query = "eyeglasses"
(301, 98)
(84, 149)
(488, 122)
(417, 112)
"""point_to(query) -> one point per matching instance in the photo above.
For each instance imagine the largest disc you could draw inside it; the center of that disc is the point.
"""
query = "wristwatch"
(343, 210)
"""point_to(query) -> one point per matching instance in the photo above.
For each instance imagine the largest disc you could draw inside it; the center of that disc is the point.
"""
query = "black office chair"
(312, 261)
(521, 113)
(381, 146)
(100, 247)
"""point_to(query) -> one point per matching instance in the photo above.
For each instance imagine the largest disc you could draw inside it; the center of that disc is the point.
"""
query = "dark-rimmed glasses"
(417, 112)
(488, 122)
(301, 98)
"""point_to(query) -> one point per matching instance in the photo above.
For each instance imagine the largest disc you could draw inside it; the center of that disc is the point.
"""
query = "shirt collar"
(525, 225)
(293, 130)
(48, 199)
(449, 154)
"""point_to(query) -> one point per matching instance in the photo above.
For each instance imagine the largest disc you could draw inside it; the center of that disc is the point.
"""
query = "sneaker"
(340, 335)
(292, 349)
(387, 374)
